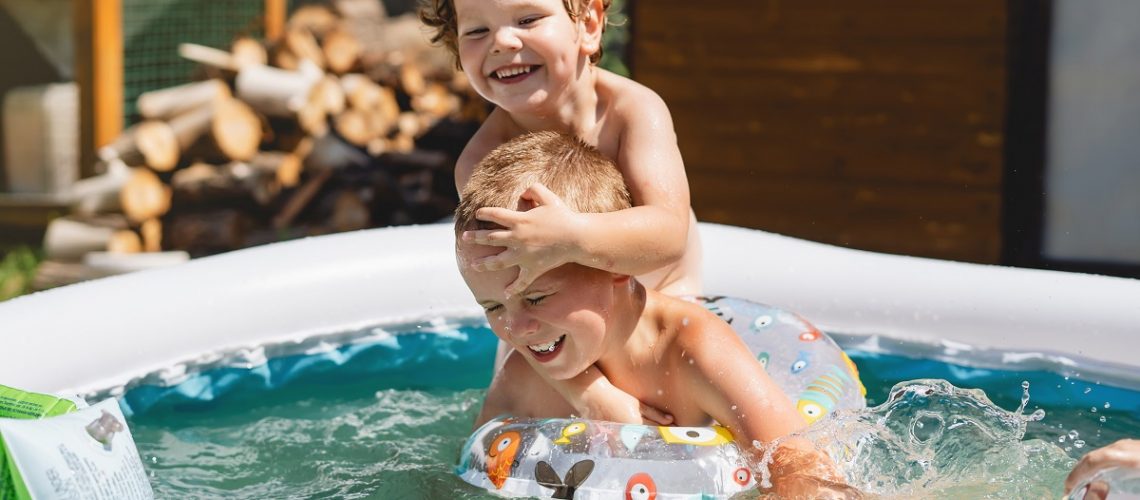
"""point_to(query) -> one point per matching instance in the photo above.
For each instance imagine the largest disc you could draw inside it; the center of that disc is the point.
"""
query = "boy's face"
(559, 322)
(520, 54)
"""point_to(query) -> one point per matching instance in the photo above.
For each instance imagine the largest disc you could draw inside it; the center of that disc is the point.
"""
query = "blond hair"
(440, 16)
(585, 180)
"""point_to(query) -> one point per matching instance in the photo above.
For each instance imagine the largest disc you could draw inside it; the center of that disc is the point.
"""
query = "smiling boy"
(534, 59)
(668, 353)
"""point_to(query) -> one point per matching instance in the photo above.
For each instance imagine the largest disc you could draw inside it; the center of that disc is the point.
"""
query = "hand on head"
(536, 239)
(1124, 453)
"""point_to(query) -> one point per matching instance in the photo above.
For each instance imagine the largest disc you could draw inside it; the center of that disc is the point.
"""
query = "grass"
(17, 269)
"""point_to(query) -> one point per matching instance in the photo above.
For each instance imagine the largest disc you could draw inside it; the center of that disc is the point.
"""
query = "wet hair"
(440, 16)
(586, 180)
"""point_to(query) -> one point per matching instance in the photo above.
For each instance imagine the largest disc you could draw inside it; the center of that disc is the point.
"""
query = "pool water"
(385, 417)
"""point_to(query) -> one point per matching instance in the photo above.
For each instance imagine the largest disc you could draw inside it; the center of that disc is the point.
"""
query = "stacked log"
(349, 120)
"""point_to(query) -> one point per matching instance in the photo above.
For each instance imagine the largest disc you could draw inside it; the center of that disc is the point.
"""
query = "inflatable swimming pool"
(262, 315)
(105, 334)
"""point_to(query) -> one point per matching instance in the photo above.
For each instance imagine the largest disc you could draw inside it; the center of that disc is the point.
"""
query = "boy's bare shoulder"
(631, 100)
(491, 134)
(699, 330)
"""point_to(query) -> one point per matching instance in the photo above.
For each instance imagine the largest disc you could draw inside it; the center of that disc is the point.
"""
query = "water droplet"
(733, 407)
(1061, 439)
(690, 361)
(1102, 419)
(1107, 405)
(1024, 397)
(1088, 390)
(1080, 443)
(1093, 409)
(1074, 434)
(660, 392)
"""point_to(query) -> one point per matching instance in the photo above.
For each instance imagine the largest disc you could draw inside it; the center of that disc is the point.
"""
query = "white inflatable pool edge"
(100, 334)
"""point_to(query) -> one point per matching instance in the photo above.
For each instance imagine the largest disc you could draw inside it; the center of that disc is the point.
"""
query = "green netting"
(152, 30)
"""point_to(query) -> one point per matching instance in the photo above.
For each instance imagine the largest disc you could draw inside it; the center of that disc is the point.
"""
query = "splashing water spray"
(933, 439)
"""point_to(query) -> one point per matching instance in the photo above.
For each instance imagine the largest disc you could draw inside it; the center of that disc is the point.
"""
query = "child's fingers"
(524, 280)
(1078, 475)
(492, 237)
(1098, 490)
(654, 416)
(1123, 453)
(540, 195)
(501, 216)
(501, 260)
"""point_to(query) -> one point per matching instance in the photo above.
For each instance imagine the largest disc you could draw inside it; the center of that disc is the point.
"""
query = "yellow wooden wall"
(874, 124)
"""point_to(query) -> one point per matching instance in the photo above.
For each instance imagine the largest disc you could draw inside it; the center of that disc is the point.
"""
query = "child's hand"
(654, 416)
(594, 397)
(536, 240)
(1123, 453)
(801, 472)
(604, 401)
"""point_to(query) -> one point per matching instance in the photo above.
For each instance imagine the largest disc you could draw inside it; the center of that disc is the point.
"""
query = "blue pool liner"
(462, 358)
(455, 359)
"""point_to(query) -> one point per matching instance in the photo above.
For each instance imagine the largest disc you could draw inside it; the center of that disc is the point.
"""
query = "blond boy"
(573, 320)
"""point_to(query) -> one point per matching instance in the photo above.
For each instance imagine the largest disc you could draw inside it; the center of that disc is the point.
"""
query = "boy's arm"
(491, 134)
(594, 397)
(518, 390)
(732, 387)
(652, 234)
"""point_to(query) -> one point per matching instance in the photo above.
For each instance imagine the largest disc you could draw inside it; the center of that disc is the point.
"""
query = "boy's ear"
(592, 20)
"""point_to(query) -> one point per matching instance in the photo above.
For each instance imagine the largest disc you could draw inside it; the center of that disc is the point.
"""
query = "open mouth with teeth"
(547, 351)
(513, 73)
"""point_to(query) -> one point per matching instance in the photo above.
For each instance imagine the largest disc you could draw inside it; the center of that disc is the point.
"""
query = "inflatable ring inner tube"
(576, 458)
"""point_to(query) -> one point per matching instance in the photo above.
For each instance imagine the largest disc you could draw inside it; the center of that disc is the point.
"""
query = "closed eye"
(492, 308)
(475, 32)
(536, 300)
(529, 20)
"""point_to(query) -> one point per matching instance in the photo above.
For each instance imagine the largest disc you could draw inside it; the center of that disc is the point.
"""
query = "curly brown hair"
(440, 16)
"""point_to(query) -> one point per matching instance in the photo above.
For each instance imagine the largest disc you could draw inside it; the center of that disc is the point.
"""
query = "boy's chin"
(563, 374)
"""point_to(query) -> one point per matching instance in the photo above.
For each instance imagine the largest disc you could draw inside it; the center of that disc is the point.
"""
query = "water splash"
(932, 439)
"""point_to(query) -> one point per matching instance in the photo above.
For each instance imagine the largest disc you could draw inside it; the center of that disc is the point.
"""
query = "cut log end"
(124, 241)
(237, 130)
(249, 52)
(144, 196)
(158, 144)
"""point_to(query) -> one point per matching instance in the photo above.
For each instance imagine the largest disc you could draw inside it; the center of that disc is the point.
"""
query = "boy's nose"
(506, 40)
(522, 325)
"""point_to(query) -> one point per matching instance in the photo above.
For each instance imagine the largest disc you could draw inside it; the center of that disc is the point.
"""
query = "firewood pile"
(351, 119)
